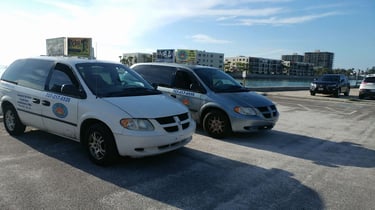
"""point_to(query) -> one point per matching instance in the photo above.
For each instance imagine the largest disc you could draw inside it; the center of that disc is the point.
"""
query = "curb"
(276, 89)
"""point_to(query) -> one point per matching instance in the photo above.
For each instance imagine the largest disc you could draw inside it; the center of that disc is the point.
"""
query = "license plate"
(320, 88)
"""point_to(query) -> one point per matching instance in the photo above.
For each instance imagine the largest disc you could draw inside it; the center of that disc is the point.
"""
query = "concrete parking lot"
(320, 155)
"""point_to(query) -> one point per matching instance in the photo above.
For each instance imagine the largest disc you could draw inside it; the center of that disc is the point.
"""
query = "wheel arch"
(210, 108)
(85, 126)
(6, 103)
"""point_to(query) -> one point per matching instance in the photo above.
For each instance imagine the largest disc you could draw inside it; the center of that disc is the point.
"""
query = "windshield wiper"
(133, 91)
(231, 89)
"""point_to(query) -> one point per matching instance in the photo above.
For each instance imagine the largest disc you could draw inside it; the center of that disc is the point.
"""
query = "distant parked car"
(332, 84)
(367, 87)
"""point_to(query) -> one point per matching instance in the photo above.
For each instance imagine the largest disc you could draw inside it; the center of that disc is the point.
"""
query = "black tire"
(12, 122)
(216, 124)
(337, 93)
(361, 96)
(100, 145)
(312, 93)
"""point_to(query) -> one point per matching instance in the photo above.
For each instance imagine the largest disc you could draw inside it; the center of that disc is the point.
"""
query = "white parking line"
(352, 112)
(300, 105)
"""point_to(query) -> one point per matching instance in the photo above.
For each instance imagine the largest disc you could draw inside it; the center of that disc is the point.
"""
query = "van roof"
(190, 66)
(68, 60)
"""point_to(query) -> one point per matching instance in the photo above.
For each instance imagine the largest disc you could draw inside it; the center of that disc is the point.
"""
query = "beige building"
(238, 63)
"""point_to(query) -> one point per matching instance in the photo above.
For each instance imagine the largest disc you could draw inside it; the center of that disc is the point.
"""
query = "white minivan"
(106, 106)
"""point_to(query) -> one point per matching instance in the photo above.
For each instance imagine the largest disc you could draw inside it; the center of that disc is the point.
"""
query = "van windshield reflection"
(219, 81)
(114, 80)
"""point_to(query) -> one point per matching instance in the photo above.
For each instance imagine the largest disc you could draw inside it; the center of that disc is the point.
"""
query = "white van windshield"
(113, 80)
(218, 81)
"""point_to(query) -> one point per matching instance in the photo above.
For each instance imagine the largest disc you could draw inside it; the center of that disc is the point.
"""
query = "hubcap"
(96, 145)
(10, 120)
(215, 125)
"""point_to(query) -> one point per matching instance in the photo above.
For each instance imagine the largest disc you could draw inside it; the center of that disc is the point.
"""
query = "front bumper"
(367, 93)
(324, 89)
(140, 144)
(253, 123)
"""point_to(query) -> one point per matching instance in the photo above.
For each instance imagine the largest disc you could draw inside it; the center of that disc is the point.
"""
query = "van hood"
(247, 99)
(150, 106)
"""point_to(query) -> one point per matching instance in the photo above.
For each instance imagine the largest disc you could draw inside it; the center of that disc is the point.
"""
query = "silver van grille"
(172, 123)
(268, 111)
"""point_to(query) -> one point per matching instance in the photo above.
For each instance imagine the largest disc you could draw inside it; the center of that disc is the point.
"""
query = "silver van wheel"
(12, 123)
(216, 124)
(100, 145)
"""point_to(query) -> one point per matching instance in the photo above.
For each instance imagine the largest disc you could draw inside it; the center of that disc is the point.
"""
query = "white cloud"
(202, 38)
(115, 25)
(284, 21)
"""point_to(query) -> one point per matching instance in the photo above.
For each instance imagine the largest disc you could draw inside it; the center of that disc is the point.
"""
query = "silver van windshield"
(218, 80)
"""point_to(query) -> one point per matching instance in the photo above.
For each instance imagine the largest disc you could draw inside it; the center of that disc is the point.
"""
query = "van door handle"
(46, 103)
(174, 96)
(36, 101)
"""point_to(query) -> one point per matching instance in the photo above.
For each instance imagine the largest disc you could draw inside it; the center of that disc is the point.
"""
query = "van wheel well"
(208, 110)
(217, 111)
(86, 125)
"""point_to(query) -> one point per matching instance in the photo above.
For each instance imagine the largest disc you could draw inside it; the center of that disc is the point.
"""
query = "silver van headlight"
(245, 110)
(137, 124)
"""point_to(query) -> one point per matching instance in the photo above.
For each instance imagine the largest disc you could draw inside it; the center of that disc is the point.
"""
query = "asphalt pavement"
(320, 155)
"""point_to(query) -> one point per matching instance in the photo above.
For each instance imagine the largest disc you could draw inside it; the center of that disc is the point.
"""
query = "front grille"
(174, 123)
(268, 111)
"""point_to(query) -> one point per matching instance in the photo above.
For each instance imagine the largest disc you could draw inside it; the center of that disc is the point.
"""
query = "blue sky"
(258, 28)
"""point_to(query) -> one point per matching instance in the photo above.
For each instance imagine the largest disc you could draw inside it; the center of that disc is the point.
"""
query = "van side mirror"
(155, 85)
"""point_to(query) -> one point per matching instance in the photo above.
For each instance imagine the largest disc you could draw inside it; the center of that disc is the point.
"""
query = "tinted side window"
(61, 75)
(186, 81)
(156, 75)
(370, 79)
(30, 73)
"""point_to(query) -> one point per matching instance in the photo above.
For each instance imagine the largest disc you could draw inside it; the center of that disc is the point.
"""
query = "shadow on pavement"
(320, 151)
(191, 179)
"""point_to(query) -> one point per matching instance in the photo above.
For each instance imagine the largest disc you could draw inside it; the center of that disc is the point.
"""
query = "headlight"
(136, 124)
(313, 85)
(245, 110)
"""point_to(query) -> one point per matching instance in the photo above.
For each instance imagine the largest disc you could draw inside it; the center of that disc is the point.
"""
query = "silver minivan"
(217, 102)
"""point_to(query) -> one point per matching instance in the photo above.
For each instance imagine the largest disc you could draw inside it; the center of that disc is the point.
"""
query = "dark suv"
(333, 84)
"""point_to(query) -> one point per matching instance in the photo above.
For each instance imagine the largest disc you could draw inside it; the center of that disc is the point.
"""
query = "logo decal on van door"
(60, 110)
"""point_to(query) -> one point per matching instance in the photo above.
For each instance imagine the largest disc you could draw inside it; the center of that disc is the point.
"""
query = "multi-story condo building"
(212, 59)
(319, 59)
(265, 66)
(239, 63)
(294, 58)
(292, 68)
(200, 58)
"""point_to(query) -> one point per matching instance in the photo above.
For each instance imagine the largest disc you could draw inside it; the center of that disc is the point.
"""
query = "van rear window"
(30, 73)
